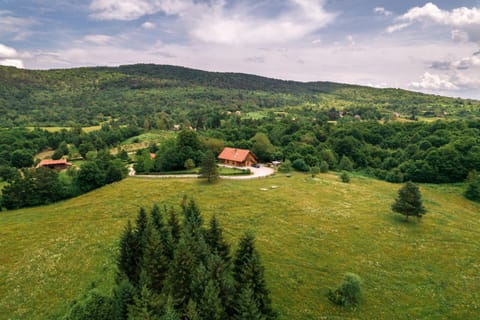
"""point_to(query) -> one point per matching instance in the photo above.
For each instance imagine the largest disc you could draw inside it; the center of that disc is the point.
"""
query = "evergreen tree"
(123, 296)
(209, 169)
(192, 313)
(220, 273)
(174, 226)
(210, 305)
(170, 312)
(214, 239)
(154, 264)
(249, 272)
(157, 218)
(409, 201)
(247, 308)
(127, 262)
(145, 306)
(193, 220)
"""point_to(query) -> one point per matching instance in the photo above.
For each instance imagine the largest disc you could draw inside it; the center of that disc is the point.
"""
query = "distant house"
(237, 157)
(54, 164)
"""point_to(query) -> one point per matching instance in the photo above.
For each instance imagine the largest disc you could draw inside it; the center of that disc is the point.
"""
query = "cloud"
(462, 19)
(134, 9)
(12, 63)
(221, 22)
(148, 25)
(7, 52)
(382, 12)
(434, 82)
(453, 82)
(99, 39)
(10, 24)
(469, 62)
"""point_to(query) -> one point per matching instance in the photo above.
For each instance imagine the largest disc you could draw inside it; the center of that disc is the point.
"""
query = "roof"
(48, 162)
(234, 154)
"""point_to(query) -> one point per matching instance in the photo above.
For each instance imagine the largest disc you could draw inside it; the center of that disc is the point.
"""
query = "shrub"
(349, 292)
(345, 177)
(324, 167)
(285, 167)
(300, 165)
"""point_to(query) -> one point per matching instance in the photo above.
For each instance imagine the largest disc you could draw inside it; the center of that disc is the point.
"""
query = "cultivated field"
(309, 232)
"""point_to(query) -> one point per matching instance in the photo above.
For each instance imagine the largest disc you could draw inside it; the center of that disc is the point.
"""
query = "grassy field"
(309, 233)
(144, 140)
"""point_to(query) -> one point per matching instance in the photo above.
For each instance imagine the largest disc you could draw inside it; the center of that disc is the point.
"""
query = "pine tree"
(123, 296)
(174, 226)
(193, 220)
(192, 312)
(157, 218)
(170, 312)
(409, 201)
(145, 306)
(209, 169)
(155, 264)
(210, 305)
(220, 273)
(180, 275)
(247, 308)
(214, 239)
(127, 262)
(249, 272)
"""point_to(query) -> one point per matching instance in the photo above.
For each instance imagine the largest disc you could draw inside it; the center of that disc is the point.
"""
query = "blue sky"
(418, 45)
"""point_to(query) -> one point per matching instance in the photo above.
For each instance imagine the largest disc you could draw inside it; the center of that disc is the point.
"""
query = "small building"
(60, 164)
(237, 157)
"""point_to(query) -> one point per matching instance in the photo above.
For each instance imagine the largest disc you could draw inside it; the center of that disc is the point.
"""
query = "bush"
(395, 176)
(345, 164)
(300, 165)
(285, 167)
(345, 177)
(349, 292)
(324, 167)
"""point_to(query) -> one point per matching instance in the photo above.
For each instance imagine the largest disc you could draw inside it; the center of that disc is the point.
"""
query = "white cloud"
(148, 25)
(7, 52)
(466, 19)
(450, 82)
(99, 39)
(12, 63)
(434, 82)
(134, 9)
(219, 22)
(12, 24)
(459, 35)
(382, 11)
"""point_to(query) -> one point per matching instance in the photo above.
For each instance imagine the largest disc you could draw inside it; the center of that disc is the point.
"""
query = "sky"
(432, 47)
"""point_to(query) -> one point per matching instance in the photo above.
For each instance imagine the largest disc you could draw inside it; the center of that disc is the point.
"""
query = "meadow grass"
(56, 129)
(309, 233)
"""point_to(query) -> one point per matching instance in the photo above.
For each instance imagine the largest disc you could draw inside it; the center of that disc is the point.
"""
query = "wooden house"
(60, 164)
(237, 157)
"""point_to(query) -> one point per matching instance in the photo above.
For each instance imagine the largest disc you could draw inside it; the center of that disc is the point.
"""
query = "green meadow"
(309, 233)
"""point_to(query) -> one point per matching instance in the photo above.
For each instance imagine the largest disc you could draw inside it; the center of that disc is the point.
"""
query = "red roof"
(234, 154)
(48, 162)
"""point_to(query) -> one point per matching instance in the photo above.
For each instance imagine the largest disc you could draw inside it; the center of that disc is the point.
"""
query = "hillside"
(88, 96)
(309, 233)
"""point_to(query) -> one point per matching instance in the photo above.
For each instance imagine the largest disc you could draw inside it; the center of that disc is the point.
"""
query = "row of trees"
(173, 270)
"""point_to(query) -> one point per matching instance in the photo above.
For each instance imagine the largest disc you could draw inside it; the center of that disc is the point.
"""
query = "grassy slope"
(309, 232)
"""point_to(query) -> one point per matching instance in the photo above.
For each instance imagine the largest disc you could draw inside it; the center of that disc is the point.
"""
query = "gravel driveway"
(256, 173)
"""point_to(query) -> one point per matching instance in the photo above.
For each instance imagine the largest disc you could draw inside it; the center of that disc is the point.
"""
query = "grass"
(144, 140)
(309, 233)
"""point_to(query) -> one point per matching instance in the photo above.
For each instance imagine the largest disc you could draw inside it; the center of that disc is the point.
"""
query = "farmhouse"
(54, 164)
(237, 157)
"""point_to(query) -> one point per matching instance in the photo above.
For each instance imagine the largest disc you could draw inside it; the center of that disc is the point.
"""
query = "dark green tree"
(409, 201)
(155, 263)
(349, 292)
(249, 273)
(214, 239)
(123, 296)
(247, 308)
(127, 261)
(473, 186)
(209, 169)
(174, 225)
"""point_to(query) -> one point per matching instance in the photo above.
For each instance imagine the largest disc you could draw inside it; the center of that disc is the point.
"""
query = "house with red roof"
(237, 157)
(60, 164)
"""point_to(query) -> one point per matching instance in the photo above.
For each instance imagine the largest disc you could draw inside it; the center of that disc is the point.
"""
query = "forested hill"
(88, 96)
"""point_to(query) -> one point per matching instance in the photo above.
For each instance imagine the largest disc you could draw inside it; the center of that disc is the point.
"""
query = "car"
(256, 165)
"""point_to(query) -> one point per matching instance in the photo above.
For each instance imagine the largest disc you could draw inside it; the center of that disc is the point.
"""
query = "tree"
(262, 147)
(249, 273)
(345, 177)
(22, 158)
(349, 292)
(214, 239)
(473, 186)
(189, 164)
(209, 169)
(314, 171)
(345, 164)
(409, 201)
(247, 308)
(324, 167)
(90, 176)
